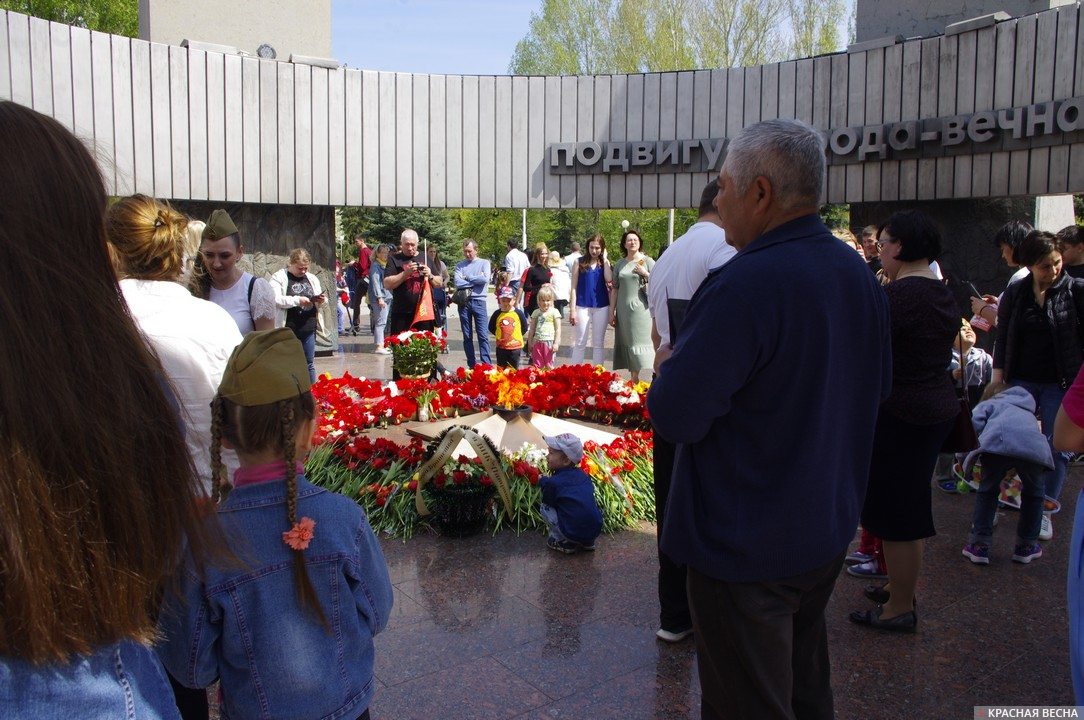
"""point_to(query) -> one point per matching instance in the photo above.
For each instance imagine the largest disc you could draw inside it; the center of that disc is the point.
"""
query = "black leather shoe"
(907, 622)
(877, 594)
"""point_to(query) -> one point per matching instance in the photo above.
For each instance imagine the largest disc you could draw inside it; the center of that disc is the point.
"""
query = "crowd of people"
(182, 465)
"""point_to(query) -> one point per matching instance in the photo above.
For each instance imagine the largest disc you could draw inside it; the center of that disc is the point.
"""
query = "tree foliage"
(591, 37)
(816, 26)
(384, 225)
(120, 17)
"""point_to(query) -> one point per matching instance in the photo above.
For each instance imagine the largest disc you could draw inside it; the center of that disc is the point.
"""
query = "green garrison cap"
(220, 225)
(268, 366)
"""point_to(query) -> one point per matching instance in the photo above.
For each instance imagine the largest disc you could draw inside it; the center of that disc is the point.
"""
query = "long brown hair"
(266, 427)
(97, 491)
(585, 259)
(146, 238)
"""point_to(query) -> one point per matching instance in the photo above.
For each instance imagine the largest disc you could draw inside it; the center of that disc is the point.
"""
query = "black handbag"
(962, 437)
(461, 296)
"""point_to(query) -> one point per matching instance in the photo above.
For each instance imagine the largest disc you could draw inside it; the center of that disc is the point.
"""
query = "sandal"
(907, 622)
(877, 593)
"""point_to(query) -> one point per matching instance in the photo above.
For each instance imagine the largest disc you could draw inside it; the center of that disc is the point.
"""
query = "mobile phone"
(971, 289)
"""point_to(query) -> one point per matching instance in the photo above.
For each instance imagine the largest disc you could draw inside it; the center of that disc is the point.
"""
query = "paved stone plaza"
(500, 627)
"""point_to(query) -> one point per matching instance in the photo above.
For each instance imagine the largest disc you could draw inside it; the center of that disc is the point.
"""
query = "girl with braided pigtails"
(312, 589)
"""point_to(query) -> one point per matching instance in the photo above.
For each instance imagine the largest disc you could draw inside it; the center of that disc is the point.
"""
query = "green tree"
(120, 17)
(491, 229)
(736, 33)
(816, 25)
(836, 216)
(560, 42)
(384, 225)
(590, 37)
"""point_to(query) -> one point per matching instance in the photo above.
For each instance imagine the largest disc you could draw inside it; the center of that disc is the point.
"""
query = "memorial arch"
(969, 125)
(988, 109)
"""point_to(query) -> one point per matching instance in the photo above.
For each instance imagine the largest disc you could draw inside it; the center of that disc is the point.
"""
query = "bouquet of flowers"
(414, 353)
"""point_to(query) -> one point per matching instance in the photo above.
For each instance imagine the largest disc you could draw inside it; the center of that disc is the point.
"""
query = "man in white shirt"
(573, 257)
(516, 263)
(680, 270)
(676, 276)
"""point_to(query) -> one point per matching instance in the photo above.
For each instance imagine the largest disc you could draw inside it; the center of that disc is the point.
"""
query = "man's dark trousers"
(673, 601)
(763, 646)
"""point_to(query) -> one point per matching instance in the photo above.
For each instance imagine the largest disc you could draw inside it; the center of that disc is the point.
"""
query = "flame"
(510, 392)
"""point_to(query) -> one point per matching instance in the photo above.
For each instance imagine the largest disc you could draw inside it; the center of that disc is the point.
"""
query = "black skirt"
(898, 498)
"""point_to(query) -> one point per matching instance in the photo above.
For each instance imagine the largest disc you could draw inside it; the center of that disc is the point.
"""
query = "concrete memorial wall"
(991, 111)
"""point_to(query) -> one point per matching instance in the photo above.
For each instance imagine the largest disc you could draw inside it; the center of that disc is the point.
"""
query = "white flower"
(591, 400)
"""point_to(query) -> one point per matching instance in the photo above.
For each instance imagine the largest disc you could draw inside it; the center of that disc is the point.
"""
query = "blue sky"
(468, 37)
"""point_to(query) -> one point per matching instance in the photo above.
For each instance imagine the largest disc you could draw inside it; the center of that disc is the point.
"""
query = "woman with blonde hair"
(192, 338)
(97, 487)
(537, 275)
(298, 298)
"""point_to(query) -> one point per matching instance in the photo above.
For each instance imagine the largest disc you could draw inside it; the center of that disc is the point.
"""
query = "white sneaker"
(381, 351)
(1046, 530)
(673, 636)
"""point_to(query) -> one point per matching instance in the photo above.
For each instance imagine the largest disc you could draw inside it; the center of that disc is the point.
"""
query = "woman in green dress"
(633, 349)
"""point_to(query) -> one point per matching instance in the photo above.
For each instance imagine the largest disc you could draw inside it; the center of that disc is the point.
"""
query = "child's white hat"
(567, 443)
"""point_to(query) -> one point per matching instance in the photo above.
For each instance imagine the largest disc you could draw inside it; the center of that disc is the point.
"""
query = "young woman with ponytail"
(192, 338)
(312, 588)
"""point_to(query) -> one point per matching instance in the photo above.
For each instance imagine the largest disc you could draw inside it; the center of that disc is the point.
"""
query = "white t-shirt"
(680, 270)
(193, 339)
(236, 302)
(570, 261)
(516, 263)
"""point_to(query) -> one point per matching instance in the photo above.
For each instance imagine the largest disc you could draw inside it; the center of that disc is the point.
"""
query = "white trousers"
(598, 319)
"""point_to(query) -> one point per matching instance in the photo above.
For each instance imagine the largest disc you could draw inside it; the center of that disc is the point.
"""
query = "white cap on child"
(567, 443)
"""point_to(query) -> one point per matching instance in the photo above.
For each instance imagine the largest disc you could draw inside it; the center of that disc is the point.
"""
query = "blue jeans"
(1048, 397)
(553, 522)
(994, 469)
(308, 343)
(473, 320)
(378, 318)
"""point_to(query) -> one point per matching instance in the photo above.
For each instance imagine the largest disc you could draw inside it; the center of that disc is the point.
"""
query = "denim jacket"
(244, 624)
(122, 681)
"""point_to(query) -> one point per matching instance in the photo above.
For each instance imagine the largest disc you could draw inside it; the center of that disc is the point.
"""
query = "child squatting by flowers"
(568, 498)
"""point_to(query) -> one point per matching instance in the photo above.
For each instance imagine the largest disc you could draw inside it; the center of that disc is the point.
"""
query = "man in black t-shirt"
(406, 275)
